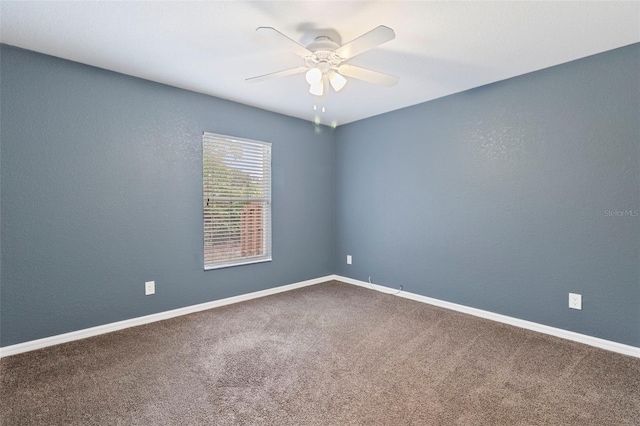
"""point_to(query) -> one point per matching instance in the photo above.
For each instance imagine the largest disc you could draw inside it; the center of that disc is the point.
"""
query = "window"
(236, 201)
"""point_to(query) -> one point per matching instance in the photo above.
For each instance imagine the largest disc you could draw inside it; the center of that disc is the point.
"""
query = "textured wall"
(506, 197)
(102, 191)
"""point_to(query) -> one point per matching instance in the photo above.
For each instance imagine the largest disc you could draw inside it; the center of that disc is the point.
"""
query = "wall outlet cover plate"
(149, 288)
(575, 301)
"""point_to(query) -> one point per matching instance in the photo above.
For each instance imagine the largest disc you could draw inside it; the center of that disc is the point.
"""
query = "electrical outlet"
(575, 301)
(349, 259)
(149, 288)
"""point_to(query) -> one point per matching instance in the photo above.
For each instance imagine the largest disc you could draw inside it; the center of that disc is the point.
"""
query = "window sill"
(240, 262)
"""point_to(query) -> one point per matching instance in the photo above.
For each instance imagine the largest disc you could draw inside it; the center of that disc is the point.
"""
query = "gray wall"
(505, 197)
(102, 191)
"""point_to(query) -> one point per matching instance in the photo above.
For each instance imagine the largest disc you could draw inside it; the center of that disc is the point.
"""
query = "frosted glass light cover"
(337, 81)
(317, 89)
(313, 76)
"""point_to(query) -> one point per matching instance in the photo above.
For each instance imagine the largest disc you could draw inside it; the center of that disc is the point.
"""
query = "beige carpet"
(330, 354)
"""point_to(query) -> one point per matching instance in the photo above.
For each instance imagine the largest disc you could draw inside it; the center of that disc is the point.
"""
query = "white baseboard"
(107, 328)
(114, 326)
(557, 332)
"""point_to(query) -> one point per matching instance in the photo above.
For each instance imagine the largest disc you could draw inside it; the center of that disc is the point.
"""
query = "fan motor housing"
(323, 49)
(323, 43)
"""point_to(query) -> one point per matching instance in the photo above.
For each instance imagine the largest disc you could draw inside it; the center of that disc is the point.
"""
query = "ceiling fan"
(324, 60)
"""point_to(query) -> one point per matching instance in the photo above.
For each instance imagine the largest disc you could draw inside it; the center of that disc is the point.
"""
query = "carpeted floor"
(329, 354)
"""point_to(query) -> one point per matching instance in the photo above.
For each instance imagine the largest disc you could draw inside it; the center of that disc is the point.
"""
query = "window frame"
(212, 138)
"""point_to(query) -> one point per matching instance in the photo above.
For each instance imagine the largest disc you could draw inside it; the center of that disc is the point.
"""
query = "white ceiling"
(211, 47)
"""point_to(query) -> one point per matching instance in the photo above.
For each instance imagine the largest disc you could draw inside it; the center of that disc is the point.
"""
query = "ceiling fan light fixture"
(337, 81)
(313, 76)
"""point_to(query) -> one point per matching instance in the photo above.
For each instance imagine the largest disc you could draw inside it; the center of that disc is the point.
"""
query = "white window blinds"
(236, 201)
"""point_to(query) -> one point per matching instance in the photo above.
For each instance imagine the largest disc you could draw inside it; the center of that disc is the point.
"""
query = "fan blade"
(368, 75)
(366, 41)
(277, 74)
(274, 34)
